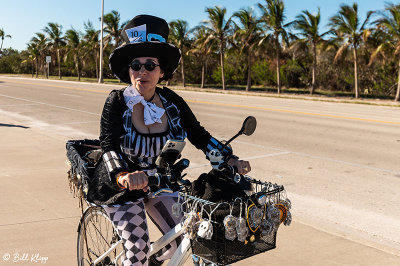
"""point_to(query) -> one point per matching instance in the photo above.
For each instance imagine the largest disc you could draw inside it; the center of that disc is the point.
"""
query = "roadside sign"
(48, 59)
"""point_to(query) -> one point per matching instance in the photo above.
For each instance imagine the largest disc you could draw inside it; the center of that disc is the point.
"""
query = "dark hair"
(167, 72)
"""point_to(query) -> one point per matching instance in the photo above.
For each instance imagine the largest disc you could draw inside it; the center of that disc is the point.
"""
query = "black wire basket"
(82, 156)
(221, 251)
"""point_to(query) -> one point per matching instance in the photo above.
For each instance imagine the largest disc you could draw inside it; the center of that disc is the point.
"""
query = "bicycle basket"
(221, 251)
(82, 156)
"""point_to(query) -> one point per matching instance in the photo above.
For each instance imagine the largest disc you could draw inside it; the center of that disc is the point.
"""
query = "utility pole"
(101, 44)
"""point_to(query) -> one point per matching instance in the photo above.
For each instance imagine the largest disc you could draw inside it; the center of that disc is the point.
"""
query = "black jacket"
(104, 189)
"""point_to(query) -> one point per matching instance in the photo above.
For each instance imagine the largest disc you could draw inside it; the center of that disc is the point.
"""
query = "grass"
(67, 78)
(295, 93)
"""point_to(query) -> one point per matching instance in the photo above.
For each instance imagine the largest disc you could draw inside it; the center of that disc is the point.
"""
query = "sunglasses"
(149, 66)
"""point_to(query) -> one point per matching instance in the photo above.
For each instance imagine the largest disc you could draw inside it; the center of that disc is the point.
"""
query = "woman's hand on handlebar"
(134, 181)
(243, 167)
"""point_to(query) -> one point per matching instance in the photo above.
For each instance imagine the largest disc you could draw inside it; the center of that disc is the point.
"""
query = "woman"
(136, 123)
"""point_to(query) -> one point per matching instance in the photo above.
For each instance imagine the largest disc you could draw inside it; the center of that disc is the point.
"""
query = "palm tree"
(273, 16)
(39, 42)
(34, 54)
(307, 24)
(179, 32)
(112, 26)
(3, 35)
(91, 43)
(391, 22)
(202, 48)
(347, 25)
(74, 45)
(56, 41)
(219, 29)
(248, 34)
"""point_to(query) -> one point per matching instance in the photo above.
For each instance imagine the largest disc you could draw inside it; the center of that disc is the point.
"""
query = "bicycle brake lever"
(166, 190)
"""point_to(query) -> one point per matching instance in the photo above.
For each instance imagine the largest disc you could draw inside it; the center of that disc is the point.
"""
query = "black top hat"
(144, 35)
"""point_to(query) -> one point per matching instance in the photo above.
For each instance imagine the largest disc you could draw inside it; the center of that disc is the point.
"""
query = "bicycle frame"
(179, 257)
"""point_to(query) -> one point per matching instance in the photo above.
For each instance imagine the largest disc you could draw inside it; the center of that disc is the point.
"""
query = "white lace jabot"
(152, 113)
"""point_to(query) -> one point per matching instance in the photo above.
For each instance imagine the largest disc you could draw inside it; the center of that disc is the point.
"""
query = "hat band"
(139, 34)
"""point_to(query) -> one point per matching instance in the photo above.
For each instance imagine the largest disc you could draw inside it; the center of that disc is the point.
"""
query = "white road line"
(65, 81)
(75, 123)
(245, 158)
(266, 155)
(21, 104)
(52, 105)
(321, 158)
(71, 95)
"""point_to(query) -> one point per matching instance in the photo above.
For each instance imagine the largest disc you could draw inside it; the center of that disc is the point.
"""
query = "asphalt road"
(339, 162)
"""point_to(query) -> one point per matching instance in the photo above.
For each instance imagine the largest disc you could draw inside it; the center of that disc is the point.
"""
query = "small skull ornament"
(267, 228)
(240, 225)
(256, 215)
(203, 228)
(230, 222)
(288, 219)
(216, 158)
(287, 203)
(176, 209)
(230, 235)
(243, 234)
(210, 231)
(273, 214)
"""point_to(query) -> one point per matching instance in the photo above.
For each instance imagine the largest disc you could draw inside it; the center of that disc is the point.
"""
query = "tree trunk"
(183, 71)
(59, 63)
(97, 64)
(314, 70)
(46, 72)
(278, 63)
(76, 59)
(222, 65)
(356, 90)
(37, 67)
(248, 86)
(397, 97)
(203, 68)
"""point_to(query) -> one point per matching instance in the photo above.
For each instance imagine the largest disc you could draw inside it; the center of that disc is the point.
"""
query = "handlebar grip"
(234, 169)
(154, 180)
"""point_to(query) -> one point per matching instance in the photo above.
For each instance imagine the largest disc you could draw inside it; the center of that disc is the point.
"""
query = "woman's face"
(144, 80)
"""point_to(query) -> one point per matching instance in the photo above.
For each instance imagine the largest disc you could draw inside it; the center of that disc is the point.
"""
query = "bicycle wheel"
(96, 236)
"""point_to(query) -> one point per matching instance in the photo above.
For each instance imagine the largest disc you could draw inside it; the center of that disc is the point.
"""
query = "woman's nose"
(142, 69)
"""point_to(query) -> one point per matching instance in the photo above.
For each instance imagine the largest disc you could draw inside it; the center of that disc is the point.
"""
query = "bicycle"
(98, 242)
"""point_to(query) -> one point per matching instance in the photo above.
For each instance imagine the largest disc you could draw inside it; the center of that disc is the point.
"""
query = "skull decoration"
(286, 202)
(241, 229)
(288, 219)
(205, 229)
(230, 227)
(267, 228)
(216, 158)
(189, 224)
(273, 214)
(256, 215)
(176, 209)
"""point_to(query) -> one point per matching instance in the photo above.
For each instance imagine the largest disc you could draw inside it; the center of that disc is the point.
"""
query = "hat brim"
(123, 55)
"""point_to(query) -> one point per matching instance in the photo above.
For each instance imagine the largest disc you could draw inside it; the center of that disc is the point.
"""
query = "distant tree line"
(253, 47)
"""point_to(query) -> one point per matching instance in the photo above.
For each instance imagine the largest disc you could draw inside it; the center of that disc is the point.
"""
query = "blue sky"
(23, 18)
